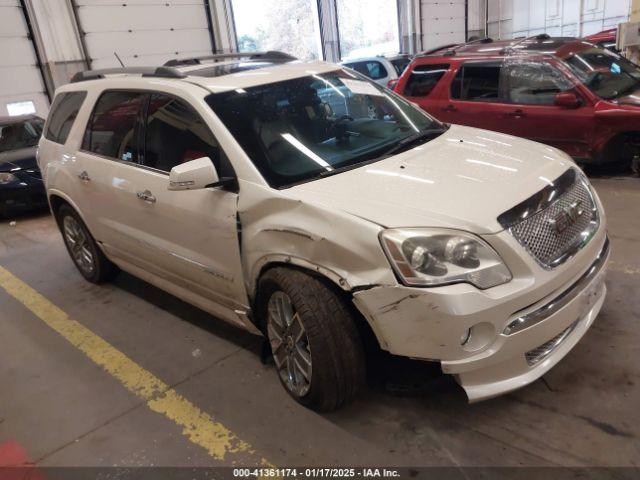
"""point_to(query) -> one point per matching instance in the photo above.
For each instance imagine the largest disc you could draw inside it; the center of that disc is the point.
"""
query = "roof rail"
(269, 55)
(437, 49)
(452, 47)
(539, 37)
(162, 72)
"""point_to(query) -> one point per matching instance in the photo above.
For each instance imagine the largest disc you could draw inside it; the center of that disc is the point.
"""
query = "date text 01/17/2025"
(315, 472)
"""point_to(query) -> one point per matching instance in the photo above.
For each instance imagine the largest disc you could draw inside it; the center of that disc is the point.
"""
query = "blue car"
(21, 186)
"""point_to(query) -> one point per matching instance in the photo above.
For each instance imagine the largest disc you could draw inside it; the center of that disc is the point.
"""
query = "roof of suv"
(220, 73)
(540, 44)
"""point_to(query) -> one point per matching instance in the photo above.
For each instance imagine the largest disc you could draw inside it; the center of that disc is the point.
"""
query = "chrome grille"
(543, 351)
(555, 233)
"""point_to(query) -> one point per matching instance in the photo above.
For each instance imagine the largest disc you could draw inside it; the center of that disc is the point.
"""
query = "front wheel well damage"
(259, 303)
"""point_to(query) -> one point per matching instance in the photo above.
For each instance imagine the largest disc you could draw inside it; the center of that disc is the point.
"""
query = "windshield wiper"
(414, 139)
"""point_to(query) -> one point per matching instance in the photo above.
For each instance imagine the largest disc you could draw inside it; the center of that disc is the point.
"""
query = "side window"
(423, 78)
(175, 134)
(64, 111)
(477, 82)
(371, 69)
(112, 131)
(376, 70)
(534, 83)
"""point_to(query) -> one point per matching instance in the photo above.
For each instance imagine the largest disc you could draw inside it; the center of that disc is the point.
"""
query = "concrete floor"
(64, 410)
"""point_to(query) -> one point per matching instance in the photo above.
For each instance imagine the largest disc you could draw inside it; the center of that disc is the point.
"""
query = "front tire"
(314, 340)
(85, 253)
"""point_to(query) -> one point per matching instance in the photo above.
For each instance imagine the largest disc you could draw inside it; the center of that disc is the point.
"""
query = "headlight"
(431, 257)
(6, 177)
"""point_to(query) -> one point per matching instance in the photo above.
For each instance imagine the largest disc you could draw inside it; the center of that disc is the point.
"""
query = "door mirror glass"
(566, 100)
(193, 175)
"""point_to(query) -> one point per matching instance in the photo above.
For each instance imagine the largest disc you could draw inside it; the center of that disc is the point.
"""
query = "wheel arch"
(329, 278)
(57, 199)
(617, 141)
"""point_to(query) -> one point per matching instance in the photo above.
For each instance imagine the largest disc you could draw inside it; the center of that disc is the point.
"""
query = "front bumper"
(28, 194)
(521, 329)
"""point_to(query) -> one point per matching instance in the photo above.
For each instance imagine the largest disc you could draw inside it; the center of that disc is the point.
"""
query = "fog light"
(478, 337)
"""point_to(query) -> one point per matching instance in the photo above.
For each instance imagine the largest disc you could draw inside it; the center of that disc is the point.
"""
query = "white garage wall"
(516, 18)
(143, 32)
(57, 39)
(443, 22)
(20, 78)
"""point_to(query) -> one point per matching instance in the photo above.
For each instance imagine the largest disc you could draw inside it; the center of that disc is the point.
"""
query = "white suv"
(306, 203)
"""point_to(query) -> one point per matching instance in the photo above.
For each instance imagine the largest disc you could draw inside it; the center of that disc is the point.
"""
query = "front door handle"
(146, 196)
(84, 176)
(517, 114)
(450, 108)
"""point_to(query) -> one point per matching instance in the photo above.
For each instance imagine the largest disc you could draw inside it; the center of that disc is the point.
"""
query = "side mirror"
(193, 175)
(566, 100)
(391, 84)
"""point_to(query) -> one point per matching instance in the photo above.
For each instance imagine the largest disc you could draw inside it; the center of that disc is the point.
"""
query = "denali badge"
(567, 217)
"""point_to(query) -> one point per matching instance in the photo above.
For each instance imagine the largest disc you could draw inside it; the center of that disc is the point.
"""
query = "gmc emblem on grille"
(567, 217)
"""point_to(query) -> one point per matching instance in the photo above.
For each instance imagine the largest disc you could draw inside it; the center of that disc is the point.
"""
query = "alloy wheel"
(289, 344)
(78, 244)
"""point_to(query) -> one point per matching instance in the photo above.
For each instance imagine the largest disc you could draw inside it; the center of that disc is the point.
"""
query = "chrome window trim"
(123, 162)
(532, 318)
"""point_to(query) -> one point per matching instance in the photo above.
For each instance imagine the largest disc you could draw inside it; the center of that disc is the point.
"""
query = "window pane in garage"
(367, 27)
(290, 26)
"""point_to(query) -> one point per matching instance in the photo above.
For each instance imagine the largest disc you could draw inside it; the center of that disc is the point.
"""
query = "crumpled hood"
(23, 158)
(463, 179)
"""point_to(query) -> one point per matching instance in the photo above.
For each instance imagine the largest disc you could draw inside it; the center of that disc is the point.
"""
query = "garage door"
(144, 32)
(21, 86)
(443, 23)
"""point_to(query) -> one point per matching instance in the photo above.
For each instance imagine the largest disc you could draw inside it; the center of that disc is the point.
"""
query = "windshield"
(605, 73)
(22, 134)
(301, 129)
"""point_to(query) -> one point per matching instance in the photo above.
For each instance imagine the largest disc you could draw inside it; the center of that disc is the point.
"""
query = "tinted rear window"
(423, 78)
(64, 111)
(112, 130)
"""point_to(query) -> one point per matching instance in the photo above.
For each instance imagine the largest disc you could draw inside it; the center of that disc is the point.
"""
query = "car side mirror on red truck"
(567, 100)
(391, 84)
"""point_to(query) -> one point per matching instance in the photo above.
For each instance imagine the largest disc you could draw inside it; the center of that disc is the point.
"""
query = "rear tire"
(83, 250)
(313, 337)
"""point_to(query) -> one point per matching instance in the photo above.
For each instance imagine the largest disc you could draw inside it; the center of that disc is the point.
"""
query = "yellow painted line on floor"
(198, 426)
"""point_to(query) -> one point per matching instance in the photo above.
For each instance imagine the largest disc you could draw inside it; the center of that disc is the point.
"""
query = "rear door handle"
(146, 196)
(450, 108)
(84, 176)
(517, 114)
